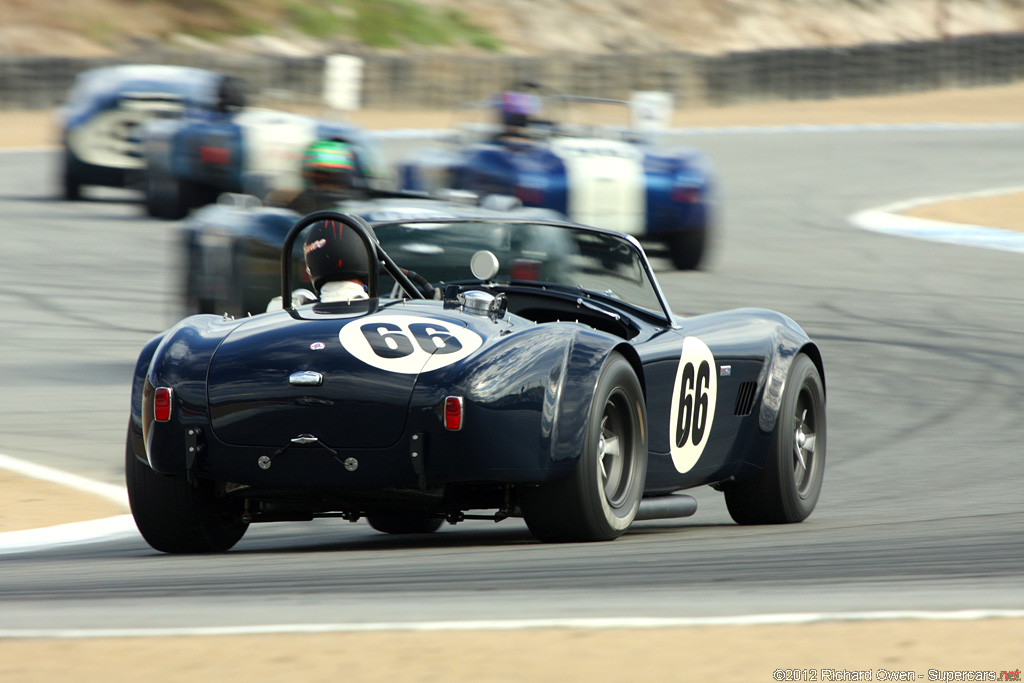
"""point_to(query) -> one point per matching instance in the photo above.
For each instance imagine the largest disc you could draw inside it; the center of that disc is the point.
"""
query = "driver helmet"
(517, 108)
(329, 164)
(334, 253)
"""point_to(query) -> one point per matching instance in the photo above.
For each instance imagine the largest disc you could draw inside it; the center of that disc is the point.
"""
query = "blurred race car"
(484, 377)
(101, 119)
(192, 160)
(609, 177)
(231, 250)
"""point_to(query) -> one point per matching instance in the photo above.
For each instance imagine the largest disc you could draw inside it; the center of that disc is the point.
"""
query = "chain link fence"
(444, 82)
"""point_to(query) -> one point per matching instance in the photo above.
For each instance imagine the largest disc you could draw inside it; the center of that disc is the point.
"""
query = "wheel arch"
(197, 338)
(138, 388)
(811, 350)
(576, 392)
(787, 342)
(633, 357)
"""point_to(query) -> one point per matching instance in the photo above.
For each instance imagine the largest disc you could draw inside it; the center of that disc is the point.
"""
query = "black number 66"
(693, 404)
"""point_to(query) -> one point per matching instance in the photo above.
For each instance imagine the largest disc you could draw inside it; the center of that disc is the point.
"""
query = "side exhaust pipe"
(666, 507)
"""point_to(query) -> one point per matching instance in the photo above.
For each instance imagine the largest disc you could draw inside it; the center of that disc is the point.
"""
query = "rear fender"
(527, 402)
(138, 386)
(584, 359)
(180, 361)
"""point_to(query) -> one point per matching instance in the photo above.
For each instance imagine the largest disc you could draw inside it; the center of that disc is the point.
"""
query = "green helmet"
(329, 162)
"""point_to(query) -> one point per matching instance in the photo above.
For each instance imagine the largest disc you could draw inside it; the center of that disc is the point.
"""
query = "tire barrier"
(447, 81)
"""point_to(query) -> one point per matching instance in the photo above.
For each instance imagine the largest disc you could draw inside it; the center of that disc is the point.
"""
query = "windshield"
(569, 257)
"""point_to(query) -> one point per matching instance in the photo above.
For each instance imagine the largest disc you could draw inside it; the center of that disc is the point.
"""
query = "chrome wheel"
(614, 451)
(804, 444)
(787, 489)
(598, 500)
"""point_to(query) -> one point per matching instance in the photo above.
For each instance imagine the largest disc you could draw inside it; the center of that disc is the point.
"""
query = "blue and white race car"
(106, 107)
(613, 178)
(192, 160)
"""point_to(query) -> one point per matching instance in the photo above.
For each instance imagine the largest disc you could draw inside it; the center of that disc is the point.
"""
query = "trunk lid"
(263, 383)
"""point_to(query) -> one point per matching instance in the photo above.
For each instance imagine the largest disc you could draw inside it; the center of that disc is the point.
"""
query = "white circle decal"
(694, 396)
(408, 344)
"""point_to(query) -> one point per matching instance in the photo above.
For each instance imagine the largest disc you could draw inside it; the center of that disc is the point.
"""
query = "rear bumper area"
(420, 459)
(504, 446)
(313, 468)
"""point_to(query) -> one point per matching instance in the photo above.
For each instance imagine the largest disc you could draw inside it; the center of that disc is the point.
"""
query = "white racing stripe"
(518, 624)
(274, 142)
(606, 183)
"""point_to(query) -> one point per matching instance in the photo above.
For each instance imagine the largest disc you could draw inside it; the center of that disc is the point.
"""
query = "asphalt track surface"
(923, 501)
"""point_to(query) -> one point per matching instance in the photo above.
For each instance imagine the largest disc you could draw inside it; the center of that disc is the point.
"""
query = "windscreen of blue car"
(570, 258)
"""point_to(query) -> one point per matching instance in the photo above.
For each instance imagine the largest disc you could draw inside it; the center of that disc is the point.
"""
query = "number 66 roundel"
(693, 403)
(408, 344)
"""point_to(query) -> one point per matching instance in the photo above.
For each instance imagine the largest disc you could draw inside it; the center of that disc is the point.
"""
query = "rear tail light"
(214, 155)
(453, 413)
(530, 196)
(162, 404)
(686, 194)
(525, 269)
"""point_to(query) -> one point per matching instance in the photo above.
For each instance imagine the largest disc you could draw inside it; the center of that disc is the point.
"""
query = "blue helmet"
(518, 107)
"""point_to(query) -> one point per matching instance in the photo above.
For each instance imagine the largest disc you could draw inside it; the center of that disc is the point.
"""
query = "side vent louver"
(745, 398)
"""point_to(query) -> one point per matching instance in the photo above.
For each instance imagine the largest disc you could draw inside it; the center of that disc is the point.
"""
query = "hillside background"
(84, 28)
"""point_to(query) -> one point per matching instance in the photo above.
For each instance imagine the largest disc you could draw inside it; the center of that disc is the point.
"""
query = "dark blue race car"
(615, 178)
(499, 368)
(190, 161)
(231, 250)
(105, 109)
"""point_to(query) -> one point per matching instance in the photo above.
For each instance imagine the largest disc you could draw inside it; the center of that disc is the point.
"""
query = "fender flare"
(788, 341)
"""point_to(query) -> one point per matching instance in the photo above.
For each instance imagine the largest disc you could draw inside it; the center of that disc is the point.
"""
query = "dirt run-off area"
(699, 653)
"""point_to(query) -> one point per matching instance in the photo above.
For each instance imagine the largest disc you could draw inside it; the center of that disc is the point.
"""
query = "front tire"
(175, 516)
(787, 489)
(599, 500)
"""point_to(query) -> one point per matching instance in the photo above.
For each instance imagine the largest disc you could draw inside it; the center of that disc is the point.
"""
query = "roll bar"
(375, 256)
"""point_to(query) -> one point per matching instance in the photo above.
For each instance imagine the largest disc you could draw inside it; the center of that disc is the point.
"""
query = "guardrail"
(445, 81)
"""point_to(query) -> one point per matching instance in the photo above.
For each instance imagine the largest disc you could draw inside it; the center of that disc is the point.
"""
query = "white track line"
(888, 219)
(79, 532)
(844, 128)
(65, 534)
(518, 624)
(116, 494)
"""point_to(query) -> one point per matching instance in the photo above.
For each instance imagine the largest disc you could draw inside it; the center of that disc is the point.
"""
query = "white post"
(343, 82)
(651, 110)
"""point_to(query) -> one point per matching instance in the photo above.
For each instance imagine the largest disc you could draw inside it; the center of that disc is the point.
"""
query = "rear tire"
(71, 185)
(175, 516)
(787, 489)
(686, 248)
(405, 525)
(169, 197)
(599, 500)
